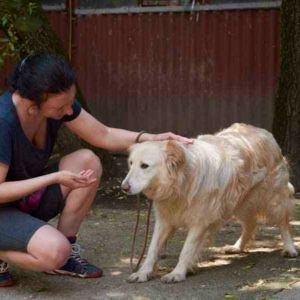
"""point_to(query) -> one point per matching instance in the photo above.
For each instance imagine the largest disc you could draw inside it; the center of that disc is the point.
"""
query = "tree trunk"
(286, 124)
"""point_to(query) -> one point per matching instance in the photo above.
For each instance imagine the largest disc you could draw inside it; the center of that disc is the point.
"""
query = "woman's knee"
(82, 159)
(91, 160)
(50, 247)
(60, 252)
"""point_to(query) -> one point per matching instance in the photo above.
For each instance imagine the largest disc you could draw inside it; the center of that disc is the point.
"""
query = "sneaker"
(78, 267)
(5, 277)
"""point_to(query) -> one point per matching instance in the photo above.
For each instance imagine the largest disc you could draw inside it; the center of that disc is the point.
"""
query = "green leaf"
(4, 20)
(229, 297)
(32, 7)
(10, 33)
(11, 46)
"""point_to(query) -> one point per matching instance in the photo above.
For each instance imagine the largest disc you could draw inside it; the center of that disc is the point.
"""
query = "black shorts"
(17, 227)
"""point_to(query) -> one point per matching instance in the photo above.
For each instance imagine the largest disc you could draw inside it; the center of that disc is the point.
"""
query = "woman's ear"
(32, 110)
(175, 157)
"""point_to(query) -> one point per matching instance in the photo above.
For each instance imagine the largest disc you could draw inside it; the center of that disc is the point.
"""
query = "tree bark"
(286, 124)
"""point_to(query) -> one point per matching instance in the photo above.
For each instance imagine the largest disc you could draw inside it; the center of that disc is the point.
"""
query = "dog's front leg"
(160, 235)
(188, 255)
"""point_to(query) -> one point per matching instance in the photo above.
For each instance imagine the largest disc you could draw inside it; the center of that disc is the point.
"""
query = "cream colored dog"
(239, 172)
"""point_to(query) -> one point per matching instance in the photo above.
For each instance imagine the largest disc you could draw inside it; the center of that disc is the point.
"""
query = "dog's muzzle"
(125, 187)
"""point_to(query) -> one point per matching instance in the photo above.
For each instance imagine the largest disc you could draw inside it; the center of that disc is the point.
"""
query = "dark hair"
(39, 74)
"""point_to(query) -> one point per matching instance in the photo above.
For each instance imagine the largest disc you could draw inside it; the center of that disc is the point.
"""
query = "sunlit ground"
(268, 240)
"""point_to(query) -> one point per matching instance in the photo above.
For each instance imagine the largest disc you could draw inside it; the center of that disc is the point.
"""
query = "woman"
(40, 101)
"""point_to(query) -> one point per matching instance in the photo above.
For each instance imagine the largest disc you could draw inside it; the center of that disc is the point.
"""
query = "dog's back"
(257, 142)
(239, 171)
(250, 150)
(257, 148)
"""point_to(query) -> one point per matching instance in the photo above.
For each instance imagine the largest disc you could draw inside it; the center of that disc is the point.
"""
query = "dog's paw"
(173, 277)
(231, 249)
(290, 253)
(139, 277)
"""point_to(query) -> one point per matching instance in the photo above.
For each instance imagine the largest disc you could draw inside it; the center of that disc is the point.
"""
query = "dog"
(238, 172)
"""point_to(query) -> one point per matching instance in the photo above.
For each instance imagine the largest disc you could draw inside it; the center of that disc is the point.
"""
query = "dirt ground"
(106, 238)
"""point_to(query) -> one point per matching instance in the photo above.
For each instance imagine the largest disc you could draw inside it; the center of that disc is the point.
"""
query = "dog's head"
(153, 165)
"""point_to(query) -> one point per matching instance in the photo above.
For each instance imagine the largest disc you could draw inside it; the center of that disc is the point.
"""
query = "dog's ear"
(175, 157)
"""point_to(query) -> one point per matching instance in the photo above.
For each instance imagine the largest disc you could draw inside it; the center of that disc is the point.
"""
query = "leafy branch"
(17, 17)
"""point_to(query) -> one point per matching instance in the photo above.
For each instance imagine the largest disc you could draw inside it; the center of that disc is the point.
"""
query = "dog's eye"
(130, 163)
(144, 166)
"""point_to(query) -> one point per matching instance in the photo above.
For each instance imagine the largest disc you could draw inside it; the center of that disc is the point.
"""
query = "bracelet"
(137, 139)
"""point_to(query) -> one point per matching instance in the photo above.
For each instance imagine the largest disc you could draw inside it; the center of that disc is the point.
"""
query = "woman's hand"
(76, 180)
(171, 136)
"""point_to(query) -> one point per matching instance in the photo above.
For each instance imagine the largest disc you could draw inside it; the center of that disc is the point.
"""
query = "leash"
(134, 269)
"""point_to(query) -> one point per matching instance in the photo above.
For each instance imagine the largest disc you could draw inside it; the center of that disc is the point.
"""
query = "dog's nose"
(125, 187)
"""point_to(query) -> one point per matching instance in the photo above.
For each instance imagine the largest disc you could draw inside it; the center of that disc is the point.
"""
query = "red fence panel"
(189, 72)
